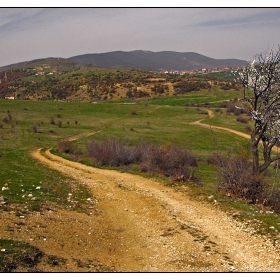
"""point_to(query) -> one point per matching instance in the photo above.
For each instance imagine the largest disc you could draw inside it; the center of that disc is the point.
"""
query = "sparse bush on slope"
(168, 160)
(112, 153)
(236, 180)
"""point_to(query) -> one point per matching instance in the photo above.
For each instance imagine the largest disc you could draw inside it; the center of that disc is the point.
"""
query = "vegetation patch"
(18, 256)
(163, 141)
(168, 160)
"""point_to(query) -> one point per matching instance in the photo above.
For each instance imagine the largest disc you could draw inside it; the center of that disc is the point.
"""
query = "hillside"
(148, 60)
(145, 60)
(55, 62)
(65, 80)
(86, 219)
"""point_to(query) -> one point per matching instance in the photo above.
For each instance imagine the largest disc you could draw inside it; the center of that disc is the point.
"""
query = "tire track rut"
(155, 228)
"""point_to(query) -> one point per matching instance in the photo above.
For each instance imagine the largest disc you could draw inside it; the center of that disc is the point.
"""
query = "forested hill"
(147, 60)
(65, 80)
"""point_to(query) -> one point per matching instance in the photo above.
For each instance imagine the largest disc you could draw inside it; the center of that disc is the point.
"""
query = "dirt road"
(141, 225)
(244, 135)
(211, 115)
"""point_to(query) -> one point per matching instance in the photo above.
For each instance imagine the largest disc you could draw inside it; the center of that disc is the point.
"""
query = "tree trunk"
(255, 154)
(266, 156)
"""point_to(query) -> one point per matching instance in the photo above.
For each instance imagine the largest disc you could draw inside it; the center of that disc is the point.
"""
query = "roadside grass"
(20, 256)
(23, 181)
(158, 121)
(31, 187)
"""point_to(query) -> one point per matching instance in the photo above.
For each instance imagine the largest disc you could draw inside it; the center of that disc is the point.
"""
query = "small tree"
(261, 82)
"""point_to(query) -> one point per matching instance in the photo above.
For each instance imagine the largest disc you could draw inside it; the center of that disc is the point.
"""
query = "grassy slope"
(154, 121)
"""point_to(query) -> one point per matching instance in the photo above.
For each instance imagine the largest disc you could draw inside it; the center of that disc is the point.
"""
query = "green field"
(31, 128)
(27, 125)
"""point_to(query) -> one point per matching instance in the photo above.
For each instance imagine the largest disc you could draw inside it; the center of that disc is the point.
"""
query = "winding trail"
(139, 225)
(211, 115)
(244, 135)
(149, 227)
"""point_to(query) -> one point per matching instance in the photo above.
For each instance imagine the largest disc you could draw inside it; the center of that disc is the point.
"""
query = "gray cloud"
(245, 17)
(30, 33)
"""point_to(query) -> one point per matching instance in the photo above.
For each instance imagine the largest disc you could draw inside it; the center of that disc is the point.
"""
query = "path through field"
(211, 115)
(244, 135)
(139, 225)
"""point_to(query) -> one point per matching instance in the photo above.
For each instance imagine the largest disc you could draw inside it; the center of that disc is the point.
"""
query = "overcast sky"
(31, 33)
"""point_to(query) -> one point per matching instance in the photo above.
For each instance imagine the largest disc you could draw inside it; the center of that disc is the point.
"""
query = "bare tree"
(261, 82)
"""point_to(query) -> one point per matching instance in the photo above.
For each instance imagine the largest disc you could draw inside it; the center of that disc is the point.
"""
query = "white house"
(9, 96)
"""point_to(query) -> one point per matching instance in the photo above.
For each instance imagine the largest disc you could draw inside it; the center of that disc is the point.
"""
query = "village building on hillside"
(10, 96)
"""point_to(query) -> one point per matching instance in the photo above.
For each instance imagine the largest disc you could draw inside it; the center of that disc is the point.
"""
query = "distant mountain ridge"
(32, 63)
(147, 60)
(139, 59)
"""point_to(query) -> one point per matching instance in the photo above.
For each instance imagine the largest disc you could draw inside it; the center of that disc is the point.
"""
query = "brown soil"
(138, 225)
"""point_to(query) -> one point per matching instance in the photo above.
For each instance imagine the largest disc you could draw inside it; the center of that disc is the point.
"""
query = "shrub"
(52, 121)
(5, 120)
(235, 177)
(68, 147)
(241, 120)
(233, 108)
(271, 199)
(187, 86)
(168, 160)
(35, 128)
(223, 105)
(226, 86)
(112, 153)
(277, 164)
(218, 110)
(51, 132)
(216, 159)
(248, 128)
